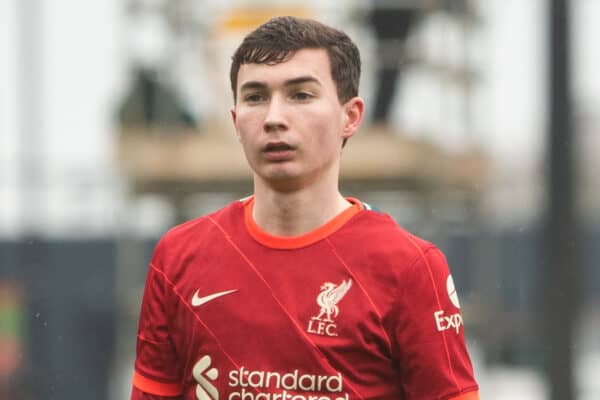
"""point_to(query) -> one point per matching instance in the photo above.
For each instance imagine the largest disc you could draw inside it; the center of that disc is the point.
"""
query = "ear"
(354, 110)
(234, 119)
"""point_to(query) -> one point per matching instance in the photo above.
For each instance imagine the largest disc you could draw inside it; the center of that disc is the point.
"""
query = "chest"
(266, 314)
(313, 294)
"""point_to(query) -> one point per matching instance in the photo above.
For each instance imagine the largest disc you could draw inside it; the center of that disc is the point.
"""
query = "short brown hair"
(278, 39)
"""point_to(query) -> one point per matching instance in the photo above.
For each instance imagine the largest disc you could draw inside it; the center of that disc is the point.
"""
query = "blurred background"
(482, 135)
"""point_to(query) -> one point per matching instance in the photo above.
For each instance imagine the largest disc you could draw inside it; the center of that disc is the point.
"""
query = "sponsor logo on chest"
(323, 323)
(247, 384)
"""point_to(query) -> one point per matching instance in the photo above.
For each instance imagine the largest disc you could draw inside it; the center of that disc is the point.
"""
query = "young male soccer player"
(297, 293)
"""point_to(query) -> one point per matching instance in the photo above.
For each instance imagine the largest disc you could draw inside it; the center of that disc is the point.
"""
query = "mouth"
(277, 146)
(278, 151)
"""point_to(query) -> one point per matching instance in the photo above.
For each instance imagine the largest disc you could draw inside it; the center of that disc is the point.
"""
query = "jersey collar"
(295, 242)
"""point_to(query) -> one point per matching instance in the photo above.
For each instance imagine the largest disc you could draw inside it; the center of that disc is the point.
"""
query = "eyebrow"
(301, 79)
(290, 82)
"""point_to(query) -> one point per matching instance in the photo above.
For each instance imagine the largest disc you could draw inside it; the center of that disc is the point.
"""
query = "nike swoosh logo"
(198, 301)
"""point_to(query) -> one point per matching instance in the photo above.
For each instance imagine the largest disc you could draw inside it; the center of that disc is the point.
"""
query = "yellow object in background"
(247, 18)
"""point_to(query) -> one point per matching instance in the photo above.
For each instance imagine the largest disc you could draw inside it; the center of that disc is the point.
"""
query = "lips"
(277, 146)
(278, 151)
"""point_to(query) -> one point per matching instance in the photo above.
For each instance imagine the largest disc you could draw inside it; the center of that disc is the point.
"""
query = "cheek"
(246, 124)
(327, 122)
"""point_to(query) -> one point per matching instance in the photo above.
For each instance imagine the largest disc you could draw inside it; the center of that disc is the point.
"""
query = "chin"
(282, 180)
(282, 171)
(280, 176)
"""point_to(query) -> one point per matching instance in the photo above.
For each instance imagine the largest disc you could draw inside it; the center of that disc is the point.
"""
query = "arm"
(157, 372)
(429, 335)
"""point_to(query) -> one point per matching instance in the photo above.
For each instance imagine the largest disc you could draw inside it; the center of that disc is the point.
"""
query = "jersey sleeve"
(137, 394)
(429, 337)
(157, 371)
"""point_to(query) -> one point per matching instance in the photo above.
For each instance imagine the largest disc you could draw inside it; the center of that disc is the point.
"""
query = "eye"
(302, 96)
(254, 98)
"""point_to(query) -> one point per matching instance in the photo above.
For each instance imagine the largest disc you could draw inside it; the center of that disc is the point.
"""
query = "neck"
(295, 212)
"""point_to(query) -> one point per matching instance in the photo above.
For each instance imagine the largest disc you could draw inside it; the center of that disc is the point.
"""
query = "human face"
(289, 119)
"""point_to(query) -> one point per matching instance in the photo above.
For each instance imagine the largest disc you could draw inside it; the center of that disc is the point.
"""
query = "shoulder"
(412, 261)
(378, 232)
(198, 232)
(233, 210)
(394, 264)
(384, 254)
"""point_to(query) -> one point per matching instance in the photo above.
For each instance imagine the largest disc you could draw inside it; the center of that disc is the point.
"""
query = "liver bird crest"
(329, 297)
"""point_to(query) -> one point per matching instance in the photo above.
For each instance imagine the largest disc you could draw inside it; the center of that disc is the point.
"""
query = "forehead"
(305, 62)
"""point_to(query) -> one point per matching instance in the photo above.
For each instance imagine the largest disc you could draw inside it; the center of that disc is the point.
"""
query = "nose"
(275, 117)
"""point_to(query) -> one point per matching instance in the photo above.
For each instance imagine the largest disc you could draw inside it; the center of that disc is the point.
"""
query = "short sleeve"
(429, 335)
(137, 394)
(157, 371)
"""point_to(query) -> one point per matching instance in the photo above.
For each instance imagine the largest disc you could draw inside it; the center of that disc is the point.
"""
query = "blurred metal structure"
(186, 162)
(174, 161)
(561, 280)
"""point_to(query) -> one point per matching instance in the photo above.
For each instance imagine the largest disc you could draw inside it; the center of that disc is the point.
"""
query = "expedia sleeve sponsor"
(443, 320)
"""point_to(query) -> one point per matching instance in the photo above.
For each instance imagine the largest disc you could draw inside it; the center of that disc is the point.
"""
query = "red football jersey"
(357, 309)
